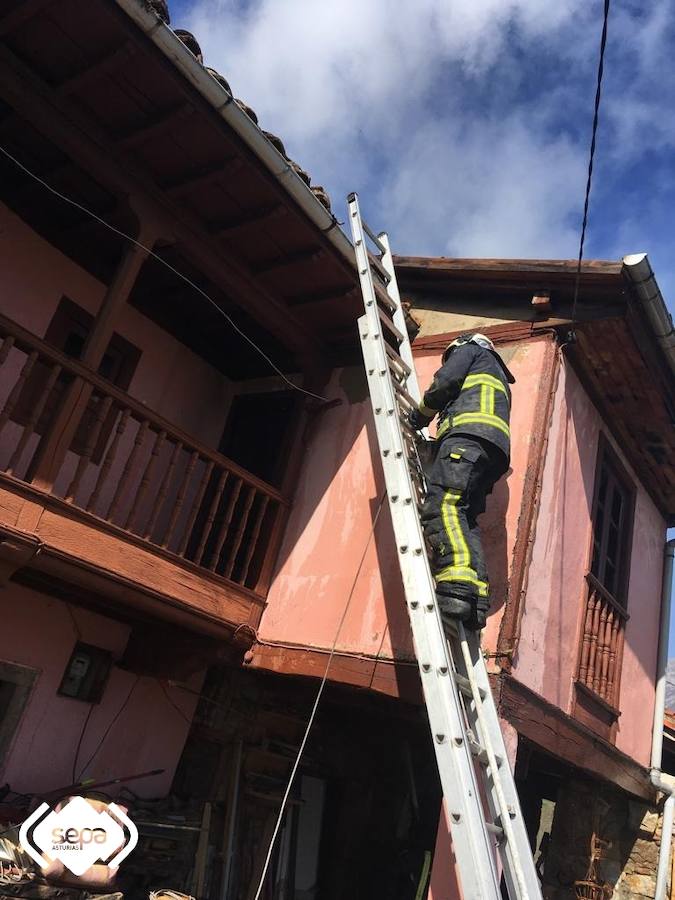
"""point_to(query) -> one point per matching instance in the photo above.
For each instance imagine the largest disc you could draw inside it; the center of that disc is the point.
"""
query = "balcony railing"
(602, 644)
(131, 468)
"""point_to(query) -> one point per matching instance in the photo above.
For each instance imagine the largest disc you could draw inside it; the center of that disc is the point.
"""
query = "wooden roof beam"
(257, 217)
(103, 66)
(21, 13)
(338, 293)
(155, 128)
(88, 145)
(202, 177)
(312, 255)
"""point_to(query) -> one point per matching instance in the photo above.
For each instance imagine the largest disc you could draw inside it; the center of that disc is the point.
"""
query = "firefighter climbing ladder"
(461, 710)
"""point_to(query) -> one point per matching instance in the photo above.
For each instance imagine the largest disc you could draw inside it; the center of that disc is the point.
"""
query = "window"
(612, 524)
(16, 683)
(68, 331)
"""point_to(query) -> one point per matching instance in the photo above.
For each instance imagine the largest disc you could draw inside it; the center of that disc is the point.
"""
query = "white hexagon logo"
(78, 835)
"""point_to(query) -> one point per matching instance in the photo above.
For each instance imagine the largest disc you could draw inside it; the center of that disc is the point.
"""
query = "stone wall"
(630, 830)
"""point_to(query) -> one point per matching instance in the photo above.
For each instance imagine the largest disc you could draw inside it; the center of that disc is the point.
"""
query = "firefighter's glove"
(417, 419)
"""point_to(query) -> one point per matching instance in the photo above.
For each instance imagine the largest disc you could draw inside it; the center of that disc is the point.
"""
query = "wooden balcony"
(131, 495)
(599, 671)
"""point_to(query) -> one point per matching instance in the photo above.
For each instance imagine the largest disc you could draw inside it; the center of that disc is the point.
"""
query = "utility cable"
(319, 694)
(109, 728)
(160, 259)
(591, 156)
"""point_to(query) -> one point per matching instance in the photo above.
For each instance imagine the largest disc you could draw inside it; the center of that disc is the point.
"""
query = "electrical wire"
(319, 694)
(171, 702)
(591, 156)
(160, 259)
(109, 728)
(81, 738)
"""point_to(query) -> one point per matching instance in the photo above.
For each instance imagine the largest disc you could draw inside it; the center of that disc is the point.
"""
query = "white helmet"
(469, 338)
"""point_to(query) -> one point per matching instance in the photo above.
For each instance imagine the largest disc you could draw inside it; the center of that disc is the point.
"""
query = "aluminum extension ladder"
(461, 709)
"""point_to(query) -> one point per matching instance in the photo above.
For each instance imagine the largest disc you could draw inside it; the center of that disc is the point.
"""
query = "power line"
(127, 237)
(591, 156)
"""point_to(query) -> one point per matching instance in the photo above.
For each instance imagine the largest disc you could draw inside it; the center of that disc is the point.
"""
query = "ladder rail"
(472, 842)
(460, 705)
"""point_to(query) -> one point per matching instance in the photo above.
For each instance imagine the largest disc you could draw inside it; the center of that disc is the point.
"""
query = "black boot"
(479, 613)
(454, 609)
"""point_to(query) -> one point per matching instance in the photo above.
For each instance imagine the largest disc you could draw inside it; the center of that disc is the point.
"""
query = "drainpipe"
(663, 783)
(223, 103)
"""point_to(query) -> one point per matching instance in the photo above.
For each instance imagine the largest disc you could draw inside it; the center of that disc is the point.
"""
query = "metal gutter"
(641, 275)
(663, 783)
(223, 103)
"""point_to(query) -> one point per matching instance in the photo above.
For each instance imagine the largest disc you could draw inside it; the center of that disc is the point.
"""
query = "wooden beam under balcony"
(338, 293)
(75, 133)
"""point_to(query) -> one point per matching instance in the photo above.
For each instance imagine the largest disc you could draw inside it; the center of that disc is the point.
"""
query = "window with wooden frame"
(605, 612)
(68, 331)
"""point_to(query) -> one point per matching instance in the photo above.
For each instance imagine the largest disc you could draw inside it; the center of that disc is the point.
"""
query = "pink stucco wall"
(170, 379)
(328, 545)
(547, 652)
(39, 632)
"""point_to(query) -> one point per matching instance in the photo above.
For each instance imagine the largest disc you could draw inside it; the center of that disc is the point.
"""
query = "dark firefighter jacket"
(472, 396)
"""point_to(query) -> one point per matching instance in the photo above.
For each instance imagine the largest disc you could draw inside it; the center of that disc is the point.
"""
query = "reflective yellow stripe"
(453, 528)
(427, 410)
(481, 419)
(465, 576)
(442, 428)
(474, 380)
(485, 392)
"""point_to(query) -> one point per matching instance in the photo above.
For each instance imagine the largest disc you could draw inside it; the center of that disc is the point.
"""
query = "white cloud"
(434, 111)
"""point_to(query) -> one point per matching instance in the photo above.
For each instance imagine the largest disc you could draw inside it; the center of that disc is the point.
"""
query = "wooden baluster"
(190, 524)
(83, 461)
(611, 668)
(33, 420)
(10, 402)
(592, 655)
(253, 539)
(128, 470)
(163, 491)
(597, 674)
(180, 498)
(145, 480)
(239, 533)
(586, 646)
(227, 518)
(606, 650)
(208, 525)
(7, 345)
(108, 461)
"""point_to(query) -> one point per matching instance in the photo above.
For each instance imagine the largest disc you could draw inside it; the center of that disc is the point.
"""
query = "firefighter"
(470, 393)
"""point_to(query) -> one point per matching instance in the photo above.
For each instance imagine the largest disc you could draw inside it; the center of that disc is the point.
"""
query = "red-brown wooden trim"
(554, 731)
(500, 334)
(395, 679)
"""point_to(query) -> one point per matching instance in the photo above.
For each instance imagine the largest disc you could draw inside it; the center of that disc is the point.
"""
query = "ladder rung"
(374, 238)
(496, 830)
(396, 359)
(401, 391)
(464, 686)
(479, 751)
(379, 268)
(389, 325)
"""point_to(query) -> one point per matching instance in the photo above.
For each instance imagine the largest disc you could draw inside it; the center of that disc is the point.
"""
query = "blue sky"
(464, 124)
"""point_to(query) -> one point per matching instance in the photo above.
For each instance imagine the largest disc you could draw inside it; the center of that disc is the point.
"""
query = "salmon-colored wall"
(547, 653)
(40, 632)
(338, 494)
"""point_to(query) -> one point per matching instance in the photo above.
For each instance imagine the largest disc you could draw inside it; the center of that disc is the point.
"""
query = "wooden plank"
(398, 679)
(560, 735)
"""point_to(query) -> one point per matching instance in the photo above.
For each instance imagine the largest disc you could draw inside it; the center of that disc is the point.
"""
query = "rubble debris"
(190, 42)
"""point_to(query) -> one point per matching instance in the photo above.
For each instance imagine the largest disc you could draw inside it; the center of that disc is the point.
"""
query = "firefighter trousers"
(458, 483)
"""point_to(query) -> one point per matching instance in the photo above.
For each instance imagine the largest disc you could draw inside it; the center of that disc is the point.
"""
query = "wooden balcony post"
(53, 448)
